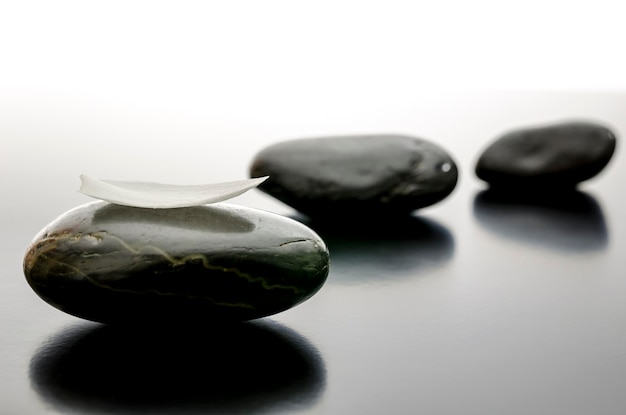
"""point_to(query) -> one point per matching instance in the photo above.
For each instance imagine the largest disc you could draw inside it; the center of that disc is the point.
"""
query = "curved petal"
(163, 196)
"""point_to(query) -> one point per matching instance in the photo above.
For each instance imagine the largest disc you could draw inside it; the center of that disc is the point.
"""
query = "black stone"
(356, 175)
(548, 157)
(118, 264)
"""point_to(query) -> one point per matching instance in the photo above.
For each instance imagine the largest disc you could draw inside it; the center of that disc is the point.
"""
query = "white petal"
(163, 196)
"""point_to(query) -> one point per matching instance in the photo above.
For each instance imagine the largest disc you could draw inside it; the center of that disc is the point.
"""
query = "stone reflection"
(254, 367)
(383, 250)
(570, 221)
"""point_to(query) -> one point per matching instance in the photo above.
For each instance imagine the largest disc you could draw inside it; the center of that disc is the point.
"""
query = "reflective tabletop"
(478, 304)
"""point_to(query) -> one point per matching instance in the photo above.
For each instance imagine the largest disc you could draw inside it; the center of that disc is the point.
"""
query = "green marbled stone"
(216, 263)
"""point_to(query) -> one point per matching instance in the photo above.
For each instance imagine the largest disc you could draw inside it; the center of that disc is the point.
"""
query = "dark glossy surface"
(570, 220)
(232, 369)
(475, 305)
(554, 156)
(118, 264)
(360, 175)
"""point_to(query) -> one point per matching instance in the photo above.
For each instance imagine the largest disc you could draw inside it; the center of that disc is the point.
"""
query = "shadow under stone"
(252, 367)
(379, 251)
(569, 221)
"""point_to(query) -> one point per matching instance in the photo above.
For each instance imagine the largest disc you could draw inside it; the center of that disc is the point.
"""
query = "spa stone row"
(223, 263)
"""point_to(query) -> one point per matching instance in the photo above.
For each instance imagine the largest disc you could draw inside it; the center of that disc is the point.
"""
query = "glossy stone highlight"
(356, 175)
(119, 264)
(556, 156)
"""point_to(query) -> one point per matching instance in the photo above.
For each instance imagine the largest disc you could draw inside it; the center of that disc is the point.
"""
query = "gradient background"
(482, 309)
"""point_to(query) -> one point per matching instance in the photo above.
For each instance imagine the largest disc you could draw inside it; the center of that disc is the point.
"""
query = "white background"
(225, 57)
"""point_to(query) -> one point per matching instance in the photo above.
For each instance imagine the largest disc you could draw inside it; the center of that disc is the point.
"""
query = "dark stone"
(118, 264)
(554, 156)
(356, 175)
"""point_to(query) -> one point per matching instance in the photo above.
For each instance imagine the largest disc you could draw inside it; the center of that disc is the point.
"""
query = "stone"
(555, 156)
(214, 263)
(349, 176)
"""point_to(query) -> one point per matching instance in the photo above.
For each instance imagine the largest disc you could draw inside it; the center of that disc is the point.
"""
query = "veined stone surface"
(119, 264)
